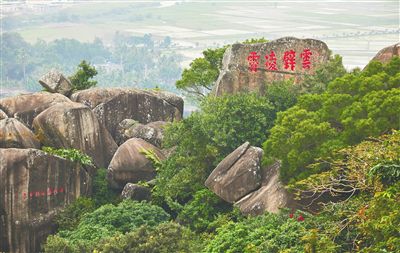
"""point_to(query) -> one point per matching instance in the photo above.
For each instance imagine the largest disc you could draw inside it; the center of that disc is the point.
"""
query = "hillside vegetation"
(336, 135)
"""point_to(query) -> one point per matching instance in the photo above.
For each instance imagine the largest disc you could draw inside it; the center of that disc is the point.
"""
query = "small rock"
(56, 82)
(136, 192)
(152, 132)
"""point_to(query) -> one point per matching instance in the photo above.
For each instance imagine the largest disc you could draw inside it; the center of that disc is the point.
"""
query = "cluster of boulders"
(120, 129)
(115, 127)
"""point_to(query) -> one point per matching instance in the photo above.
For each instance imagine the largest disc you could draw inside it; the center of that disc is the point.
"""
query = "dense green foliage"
(70, 154)
(335, 135)
(354, 107)
(204, 138)
(202, 210)
(80, 80)
(324, 74)
(266, 233)
(165, 238)
(106, 221)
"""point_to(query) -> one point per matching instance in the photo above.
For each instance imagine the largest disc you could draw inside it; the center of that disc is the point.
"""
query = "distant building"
(109, 67)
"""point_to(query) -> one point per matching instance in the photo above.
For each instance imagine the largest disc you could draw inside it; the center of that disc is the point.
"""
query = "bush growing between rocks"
(106, 221)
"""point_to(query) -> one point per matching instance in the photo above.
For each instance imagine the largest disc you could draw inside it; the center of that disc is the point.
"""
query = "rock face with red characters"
(34, 187)
(250, 67)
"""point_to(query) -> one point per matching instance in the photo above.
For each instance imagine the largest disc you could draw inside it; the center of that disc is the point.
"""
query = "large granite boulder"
(130, 165)
(270, 197)
(34, 187)
(152, 132)
(238, 174)
(28, 106)
(3, 115)
(249, 67)
(56, 82)
(74, 125)
(136, 192)
(387, 53)
(14, 134)
(113, 105)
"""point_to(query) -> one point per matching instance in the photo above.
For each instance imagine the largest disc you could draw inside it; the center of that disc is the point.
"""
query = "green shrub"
(71, 154)
(107, 221)
(69, 218)
(267, 233)
(166, 237)
(202, 210)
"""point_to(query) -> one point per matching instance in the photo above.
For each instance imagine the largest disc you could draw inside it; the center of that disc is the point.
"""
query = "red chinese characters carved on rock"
(253, 61)
(270, 61)
(306, 56)
(289, 60)
(43, 193)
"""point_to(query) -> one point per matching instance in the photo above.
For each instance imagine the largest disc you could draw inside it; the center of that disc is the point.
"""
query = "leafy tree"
(81, 79)
(324, 74)
(367, 167)
(206, 137)
(199, 78)
(354, 107)
(381, 221)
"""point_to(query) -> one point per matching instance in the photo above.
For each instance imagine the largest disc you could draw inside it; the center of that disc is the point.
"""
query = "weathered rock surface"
(74, 125)
(14, 134)
(130, 165)
(269, 198)
(236, 76)
(28, 106)
(112, 106)
(34, 187)
(56, 82)
(3, 115)
(152, 132)
(238, 174)
(136, 192)
(387, 53)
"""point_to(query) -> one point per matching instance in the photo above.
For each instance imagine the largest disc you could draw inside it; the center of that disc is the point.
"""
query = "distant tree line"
(133, 61)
